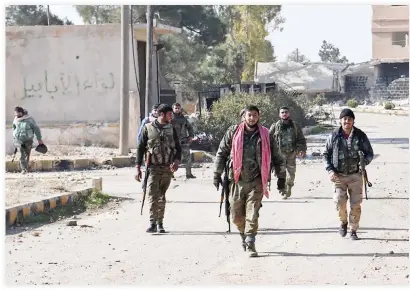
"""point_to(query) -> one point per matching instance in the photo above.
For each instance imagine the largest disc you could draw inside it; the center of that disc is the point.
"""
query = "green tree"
(30, 15)
(201, 21)
(296, 56)
(249, 28)
(330, 53)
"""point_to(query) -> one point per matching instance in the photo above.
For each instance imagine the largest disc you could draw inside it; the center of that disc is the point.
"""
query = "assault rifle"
(366, 182)
(225, 195)
(144, 184)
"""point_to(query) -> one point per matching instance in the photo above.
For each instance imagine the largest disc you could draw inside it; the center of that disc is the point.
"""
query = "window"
(400, 38)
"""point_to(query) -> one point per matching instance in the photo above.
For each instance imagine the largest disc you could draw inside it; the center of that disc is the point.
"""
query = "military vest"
(161, 144)
(180, 125)
(348, 158)
(286, 139)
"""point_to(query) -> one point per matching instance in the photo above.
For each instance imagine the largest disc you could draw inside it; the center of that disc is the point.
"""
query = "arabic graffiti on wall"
(67, 84)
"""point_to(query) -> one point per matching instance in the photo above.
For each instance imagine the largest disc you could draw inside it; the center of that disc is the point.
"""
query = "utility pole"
(297, 54)
(148, 81)
(48, 15)
(125, 72)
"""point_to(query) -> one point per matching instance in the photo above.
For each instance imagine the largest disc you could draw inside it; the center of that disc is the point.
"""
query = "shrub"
(225, 112)
(320, 99)
(352, 103)
(389, 105)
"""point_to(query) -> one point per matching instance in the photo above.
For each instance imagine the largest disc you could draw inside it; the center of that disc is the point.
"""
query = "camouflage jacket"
(161, 141)
(252, 157)
(183, 127)
(24, 129)
(339, 157)
(289, 137)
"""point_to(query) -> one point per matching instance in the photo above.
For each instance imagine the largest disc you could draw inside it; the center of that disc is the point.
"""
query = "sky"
(348, 27)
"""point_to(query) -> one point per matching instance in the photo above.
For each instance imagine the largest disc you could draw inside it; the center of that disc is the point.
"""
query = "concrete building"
(68, 78)
(390, 46)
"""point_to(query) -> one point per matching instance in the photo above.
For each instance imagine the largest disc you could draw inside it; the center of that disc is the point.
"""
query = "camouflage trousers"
(245, 199)
(158, 182)
(290, 163)
(24, 150)
(186, 158)
(349, 185)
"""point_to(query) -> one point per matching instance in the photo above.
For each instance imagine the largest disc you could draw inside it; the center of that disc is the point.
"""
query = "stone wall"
(397, 89)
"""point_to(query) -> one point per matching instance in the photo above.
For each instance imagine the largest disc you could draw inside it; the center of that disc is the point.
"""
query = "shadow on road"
(389, 140)
(267, 201)
(272, 254)
(328, 197)
(385, 240)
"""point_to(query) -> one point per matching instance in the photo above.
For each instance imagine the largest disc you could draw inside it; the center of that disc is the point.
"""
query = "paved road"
(298, 241)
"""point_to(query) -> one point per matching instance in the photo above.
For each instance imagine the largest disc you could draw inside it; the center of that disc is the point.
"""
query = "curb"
(16, 214)
(85, 163)
(381, 111)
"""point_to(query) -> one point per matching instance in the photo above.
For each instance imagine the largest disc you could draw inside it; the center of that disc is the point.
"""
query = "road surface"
(298, 241)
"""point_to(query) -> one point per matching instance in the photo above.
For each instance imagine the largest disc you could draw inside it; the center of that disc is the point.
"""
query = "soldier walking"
(248, 152)
(24, 129)
(341, 158)
(290, 140)
(185, 134)
(160, 140)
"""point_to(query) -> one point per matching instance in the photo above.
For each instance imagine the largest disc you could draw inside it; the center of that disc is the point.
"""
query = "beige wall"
(386, 21)
(66, 75)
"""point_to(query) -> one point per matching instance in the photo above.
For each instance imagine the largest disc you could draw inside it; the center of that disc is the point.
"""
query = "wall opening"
(400, 38)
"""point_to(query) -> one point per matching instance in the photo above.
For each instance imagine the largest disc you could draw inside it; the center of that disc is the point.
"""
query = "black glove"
(281, 183)
(217, 180)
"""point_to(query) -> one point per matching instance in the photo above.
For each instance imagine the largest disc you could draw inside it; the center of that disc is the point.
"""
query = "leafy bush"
(320, 99)
(389, 105)
(352, 103)
(226, 112)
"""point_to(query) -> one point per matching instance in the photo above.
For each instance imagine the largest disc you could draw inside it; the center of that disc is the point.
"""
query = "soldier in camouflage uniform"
(291, 142)
(160, 139)
(185, 134)
(246, 194)
(24, 130)
(341, 159)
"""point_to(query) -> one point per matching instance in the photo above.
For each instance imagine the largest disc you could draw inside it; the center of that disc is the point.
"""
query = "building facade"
(390, 49)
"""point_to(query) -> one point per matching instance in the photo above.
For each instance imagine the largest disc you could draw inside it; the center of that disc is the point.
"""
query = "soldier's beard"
(251, 126)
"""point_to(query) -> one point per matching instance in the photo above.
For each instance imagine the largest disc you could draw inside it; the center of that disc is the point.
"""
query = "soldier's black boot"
(243, 241)
(152, 228)
(190, 176)
(353, 235)
(161, 228)
(343, 229)
(252, 249)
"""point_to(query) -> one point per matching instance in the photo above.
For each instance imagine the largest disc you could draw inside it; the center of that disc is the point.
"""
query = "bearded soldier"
(160, 140)
(341, 158)
(185, 134)
(291, 142)
(248, 152)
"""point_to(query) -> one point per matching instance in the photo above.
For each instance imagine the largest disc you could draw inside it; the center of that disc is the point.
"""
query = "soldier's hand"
(281, 183)
(303, 154)
(174, 166)
(333, 176)
(138, 176)
(217, 180)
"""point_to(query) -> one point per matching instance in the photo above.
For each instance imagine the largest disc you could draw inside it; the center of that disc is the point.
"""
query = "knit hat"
(346, 113)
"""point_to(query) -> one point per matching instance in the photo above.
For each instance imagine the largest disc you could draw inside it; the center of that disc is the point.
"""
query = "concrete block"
(198, 156)
(121, 161)
(42, 165)
(81, 163)
(13, 166)
(97, 183)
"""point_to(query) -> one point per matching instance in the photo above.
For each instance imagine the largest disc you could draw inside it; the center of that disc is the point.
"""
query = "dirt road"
(298, 241)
